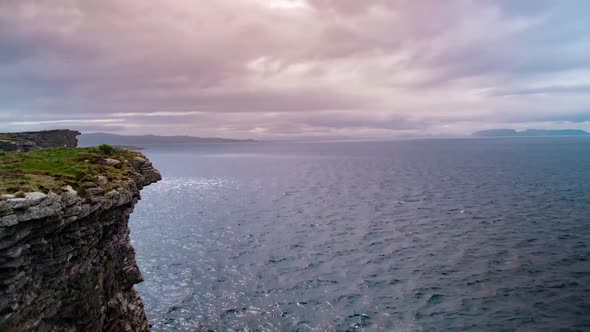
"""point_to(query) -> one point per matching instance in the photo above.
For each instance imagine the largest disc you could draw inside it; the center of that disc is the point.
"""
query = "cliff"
(66, 262)
(26, 141)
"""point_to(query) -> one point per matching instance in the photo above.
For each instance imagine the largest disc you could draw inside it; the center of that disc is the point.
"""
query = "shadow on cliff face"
(25, 141)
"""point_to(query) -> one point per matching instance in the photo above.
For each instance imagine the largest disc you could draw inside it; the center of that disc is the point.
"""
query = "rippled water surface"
(434, 235)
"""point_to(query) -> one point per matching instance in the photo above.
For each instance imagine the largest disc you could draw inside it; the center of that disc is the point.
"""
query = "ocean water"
(431, 235)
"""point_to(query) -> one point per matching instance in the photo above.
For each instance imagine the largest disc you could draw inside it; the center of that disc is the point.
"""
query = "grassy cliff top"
(6, 138)
(54, 168)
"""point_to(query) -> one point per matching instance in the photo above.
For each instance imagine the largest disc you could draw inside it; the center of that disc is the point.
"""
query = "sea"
(418, 235)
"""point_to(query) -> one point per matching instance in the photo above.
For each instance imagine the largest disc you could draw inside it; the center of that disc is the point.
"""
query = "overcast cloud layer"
(286, 69)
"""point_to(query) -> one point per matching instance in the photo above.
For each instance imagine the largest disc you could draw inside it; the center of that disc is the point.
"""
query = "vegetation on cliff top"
(54, 168)
(6, 138)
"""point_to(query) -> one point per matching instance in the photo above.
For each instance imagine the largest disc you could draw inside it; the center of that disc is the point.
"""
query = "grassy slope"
(6, 138)
(52, 169)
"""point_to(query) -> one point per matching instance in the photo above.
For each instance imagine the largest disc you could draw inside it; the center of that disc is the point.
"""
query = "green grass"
(7, 139)
(51, 169)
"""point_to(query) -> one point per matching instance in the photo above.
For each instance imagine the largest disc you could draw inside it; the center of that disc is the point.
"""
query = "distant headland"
(94, 139)
(529, 133)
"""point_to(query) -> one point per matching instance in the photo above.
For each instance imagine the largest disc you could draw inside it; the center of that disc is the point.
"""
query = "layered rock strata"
(25, 141)
(66, 262)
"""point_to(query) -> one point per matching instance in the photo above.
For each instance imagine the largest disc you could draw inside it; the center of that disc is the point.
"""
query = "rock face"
(16, 145)
(26, 141)
(66, 262)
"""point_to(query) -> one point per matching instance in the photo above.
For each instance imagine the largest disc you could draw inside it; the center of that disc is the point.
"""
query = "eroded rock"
(112, 162)
(66, 262)
(25, 141)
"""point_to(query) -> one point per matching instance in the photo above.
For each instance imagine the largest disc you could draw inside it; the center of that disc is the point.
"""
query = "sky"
(294, 69)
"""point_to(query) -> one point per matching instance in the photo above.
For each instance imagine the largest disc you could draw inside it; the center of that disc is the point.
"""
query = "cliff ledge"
(25, 141)
(66, 262)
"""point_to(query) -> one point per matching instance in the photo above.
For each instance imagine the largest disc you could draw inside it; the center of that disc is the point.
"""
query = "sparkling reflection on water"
(395, 236)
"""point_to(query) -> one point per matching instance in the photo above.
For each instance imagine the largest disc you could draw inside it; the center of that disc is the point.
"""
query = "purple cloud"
(293, 68)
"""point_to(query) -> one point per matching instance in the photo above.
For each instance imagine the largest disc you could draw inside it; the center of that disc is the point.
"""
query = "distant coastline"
(529, 133)
(93, 139)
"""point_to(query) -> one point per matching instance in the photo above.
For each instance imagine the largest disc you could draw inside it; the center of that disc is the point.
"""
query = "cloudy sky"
(288, 69)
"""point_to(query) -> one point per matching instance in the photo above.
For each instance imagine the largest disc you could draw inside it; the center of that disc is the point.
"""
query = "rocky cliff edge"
(26, 141)
(66, 262)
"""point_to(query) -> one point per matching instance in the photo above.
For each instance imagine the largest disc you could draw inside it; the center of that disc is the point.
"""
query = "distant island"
(529, 133)
(94, 139)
